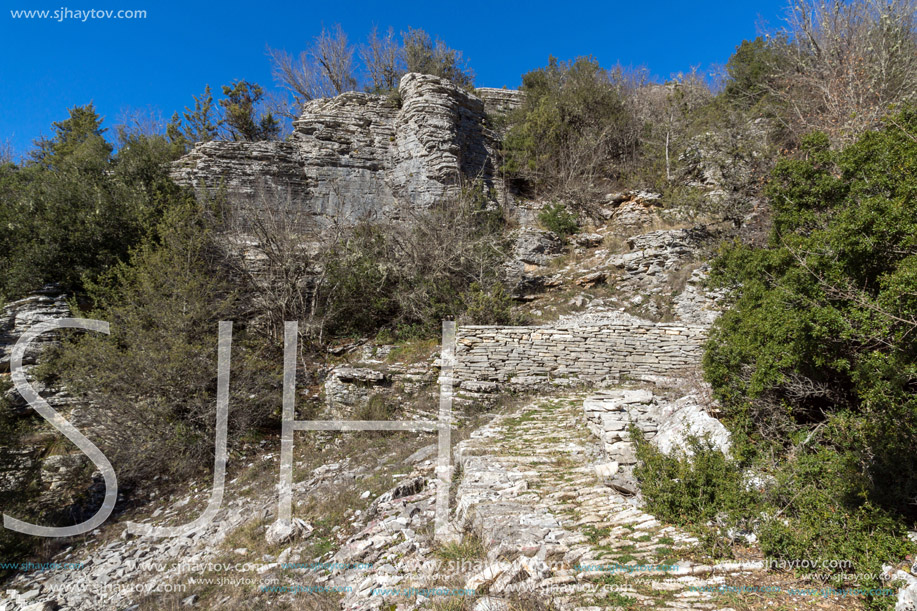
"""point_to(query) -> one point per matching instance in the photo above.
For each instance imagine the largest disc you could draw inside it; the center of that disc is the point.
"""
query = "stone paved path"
(550, 527)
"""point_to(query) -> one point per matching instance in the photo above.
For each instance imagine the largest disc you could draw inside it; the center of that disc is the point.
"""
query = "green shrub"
(820, 324)
(819, 511)
(75, 209)
(149, 386)
(410, 276)
(574, 130)
(814, 362)
(488, 307)
(692, 489)
(556, 218)
(752, 72)
(424, 55)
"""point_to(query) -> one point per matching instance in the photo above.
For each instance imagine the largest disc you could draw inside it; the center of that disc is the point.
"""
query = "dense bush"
(815, 360)
(409, 276)
(575, 129)
(150, 385)
(556, 218)
(692, 489)
(75, 208)
(752, 73)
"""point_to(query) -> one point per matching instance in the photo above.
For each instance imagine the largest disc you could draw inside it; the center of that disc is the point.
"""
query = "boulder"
(686, 417)
(283, 531)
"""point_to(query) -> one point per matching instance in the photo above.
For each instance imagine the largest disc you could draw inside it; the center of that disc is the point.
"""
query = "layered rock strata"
(357, 157)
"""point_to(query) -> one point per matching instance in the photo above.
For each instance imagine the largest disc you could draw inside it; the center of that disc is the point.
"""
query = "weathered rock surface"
(49, 303)
(666, 424)
(684, 418)
(632, 211)
(500, 101)
(21, 466)
(358, 156)
(532, 492)
(697, 303)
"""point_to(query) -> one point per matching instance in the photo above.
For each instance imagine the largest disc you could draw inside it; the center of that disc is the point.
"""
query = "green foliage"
(488, 307)
(74, 209)
(815, 360)
(556, 218)
(469, 548)
(695, 488)
(239, 110)
(752, 71)
(151, 382)
(822, 316)
(201, 124)
(409, 277)
(423, 55)
(820, 500)
(77, 140)
(574, 128)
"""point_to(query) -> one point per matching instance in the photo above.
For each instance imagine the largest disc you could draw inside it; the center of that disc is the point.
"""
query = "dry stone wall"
(597, 352)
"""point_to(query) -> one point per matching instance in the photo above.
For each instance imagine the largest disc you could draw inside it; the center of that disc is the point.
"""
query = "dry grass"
(413, 352)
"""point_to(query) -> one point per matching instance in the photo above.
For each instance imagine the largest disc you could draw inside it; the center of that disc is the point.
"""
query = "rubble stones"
(283, 531)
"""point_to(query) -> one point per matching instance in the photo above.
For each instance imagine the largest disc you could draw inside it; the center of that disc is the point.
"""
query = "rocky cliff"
(360, 156)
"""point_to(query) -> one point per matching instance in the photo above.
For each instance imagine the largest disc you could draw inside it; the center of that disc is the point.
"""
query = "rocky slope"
(544, 509)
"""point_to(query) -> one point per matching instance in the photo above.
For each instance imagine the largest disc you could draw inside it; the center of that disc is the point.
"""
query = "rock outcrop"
(17, 317)
(500, 101)
(666, 424)
(358, 156)
(55, 472)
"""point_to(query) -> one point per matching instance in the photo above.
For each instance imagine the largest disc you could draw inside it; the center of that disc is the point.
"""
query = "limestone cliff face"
(358, 155)
(497, 101)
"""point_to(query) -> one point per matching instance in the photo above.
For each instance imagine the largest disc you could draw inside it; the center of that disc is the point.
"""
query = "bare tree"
(6, 152)
(326, 69)
(279, 244)
(668, 109)
(383, 59)
(847, 63)
(134, 122)
(334, 55)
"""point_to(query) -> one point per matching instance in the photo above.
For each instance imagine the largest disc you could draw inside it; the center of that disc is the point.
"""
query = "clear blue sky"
(161, 61)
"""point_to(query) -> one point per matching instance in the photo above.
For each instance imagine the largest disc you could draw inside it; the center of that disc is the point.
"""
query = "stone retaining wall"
(488, 355)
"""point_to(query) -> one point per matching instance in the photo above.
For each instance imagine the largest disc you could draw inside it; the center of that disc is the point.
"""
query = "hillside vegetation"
(801, 158)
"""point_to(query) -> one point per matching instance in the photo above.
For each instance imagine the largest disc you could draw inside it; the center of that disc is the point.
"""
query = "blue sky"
(161, 61)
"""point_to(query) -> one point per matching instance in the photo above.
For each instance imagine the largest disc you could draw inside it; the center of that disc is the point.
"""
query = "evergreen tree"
(241, 120)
